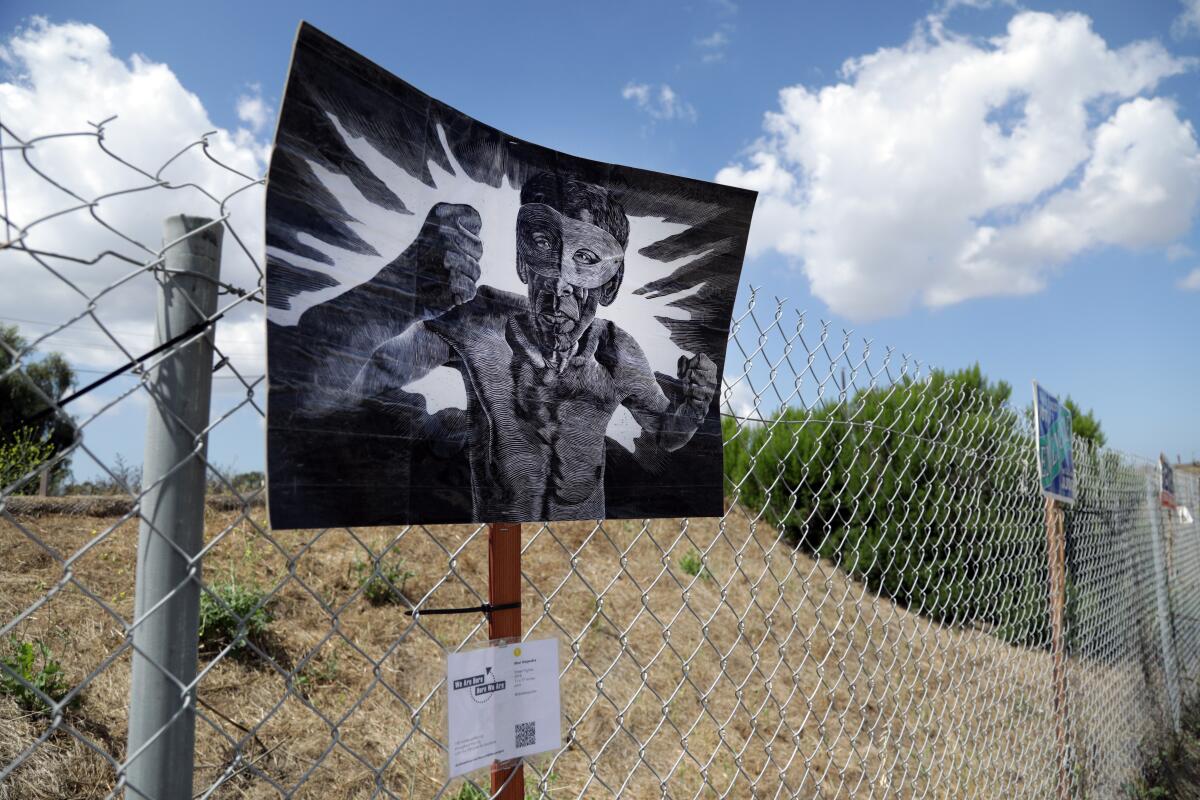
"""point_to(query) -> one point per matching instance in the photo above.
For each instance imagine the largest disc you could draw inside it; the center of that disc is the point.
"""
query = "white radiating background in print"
(390, 233)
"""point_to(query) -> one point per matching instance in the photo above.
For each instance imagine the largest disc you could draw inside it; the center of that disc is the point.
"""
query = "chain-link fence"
(872, 617)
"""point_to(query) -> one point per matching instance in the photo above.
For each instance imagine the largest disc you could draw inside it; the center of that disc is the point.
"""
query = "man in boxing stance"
(543, 375)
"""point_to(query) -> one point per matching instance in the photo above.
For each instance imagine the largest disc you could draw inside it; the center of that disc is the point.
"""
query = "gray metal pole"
(162, 723)
(1163, 604)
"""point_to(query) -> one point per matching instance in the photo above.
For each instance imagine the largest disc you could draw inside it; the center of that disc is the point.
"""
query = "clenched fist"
(699, 377)
(445, 256)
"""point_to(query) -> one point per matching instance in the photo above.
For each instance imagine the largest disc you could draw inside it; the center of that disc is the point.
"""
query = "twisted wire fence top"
(870, 617)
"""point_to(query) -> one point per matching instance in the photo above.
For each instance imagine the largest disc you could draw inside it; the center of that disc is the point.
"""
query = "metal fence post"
(1165, 622)
(162, 705)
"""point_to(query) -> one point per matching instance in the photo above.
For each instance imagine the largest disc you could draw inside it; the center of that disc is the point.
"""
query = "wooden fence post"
(1056, 548)
(504, 586)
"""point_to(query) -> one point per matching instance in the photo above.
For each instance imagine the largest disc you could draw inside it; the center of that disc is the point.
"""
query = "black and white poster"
(463, 326)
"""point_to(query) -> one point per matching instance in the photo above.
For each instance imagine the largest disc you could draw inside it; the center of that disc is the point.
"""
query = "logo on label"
(482, 687)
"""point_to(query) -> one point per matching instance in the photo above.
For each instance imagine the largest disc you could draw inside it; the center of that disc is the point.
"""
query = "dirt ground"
(767, 673)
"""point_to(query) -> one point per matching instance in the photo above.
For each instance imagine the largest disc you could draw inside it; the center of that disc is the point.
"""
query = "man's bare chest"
(578, 401)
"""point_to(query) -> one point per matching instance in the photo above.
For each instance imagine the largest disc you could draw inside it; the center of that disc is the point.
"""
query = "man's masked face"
(567, 264)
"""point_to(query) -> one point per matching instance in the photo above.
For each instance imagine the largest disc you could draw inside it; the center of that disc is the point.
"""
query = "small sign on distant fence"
(1055, 467)
(1166, 482)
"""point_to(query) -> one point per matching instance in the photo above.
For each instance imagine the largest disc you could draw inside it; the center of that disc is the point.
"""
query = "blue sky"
(1107, 319)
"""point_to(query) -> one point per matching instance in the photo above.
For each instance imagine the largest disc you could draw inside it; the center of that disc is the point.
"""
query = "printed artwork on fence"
(463, 326)
(1055, 466)
(1166, 482)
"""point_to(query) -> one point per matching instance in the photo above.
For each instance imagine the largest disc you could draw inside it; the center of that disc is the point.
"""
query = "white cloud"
(1188, 21)
(60, 78)
(252, 110)
(951, 168)
(739, 399)
(637, 92)
(1191, 281)
(661, 103)
(1179, 251)
(713, 46)
(948, 7)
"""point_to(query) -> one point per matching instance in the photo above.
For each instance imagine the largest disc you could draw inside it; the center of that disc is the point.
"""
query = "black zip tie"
(96, 384)
(486, 608)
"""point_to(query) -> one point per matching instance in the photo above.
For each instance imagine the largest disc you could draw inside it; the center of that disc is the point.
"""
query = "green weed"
(323, 672)
(238, 617)
(383, 583)
(693, 564)
(32, 663)
(469, 791)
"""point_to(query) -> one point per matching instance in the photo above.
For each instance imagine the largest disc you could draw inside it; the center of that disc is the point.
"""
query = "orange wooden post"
(1056, 547)
(504, 586)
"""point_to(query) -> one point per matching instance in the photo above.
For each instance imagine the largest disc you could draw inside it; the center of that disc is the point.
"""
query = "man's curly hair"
(586, 202)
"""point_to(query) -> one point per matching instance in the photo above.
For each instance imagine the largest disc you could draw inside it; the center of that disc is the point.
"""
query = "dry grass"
(778, 672)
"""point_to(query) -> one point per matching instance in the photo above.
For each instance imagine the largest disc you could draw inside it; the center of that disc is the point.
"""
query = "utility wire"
(96, 384)
(4, 185)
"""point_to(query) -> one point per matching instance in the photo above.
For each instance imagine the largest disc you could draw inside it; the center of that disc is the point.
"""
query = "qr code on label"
(525, 734)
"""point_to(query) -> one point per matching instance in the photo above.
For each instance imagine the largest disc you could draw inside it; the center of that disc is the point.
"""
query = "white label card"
(503, 703)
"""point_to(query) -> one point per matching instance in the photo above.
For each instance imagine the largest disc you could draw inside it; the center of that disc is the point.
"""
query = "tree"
(912, 488)
(20, 456)
(23, 427)
(1085, 425)
(996, 394)
(909, 487)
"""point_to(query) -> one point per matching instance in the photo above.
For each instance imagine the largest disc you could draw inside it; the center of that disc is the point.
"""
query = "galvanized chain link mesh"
(870, 618)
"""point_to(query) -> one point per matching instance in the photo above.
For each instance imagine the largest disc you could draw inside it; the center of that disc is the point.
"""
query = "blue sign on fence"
(1054, 446)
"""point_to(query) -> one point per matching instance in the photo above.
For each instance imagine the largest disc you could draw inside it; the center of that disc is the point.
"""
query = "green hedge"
(925, 490)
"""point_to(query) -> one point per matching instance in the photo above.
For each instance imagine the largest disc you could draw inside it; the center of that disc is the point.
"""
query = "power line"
(247, 378)
(84, 344)
(71, 326)
(59, 325)
(199, 327)
(4, 186)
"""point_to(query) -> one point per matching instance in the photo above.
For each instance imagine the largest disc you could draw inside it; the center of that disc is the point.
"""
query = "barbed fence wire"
(872, 616)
